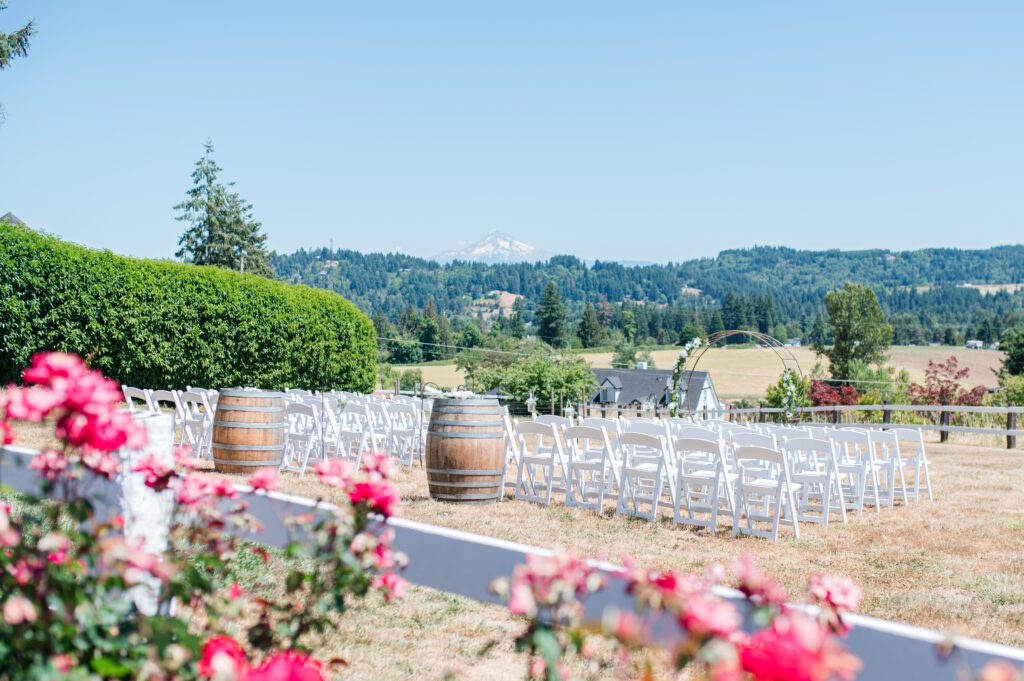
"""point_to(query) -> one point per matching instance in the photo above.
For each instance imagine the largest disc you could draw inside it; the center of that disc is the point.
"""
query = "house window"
(607, 394)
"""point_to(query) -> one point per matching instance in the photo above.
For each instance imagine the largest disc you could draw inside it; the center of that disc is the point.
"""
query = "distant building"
(792, 343)
(633, 387)
(974, 344)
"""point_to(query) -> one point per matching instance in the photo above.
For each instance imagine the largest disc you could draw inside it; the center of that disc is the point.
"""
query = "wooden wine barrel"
(466, 450)
(249, 428)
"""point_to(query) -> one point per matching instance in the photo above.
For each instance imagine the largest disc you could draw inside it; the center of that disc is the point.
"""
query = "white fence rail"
(465, 564)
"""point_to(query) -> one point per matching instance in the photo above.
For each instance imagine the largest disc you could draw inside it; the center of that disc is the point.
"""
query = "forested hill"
(927, 283)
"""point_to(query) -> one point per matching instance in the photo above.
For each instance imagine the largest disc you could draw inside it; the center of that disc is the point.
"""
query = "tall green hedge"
(167, 325)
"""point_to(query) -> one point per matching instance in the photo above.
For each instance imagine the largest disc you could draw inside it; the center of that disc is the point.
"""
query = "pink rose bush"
(65, 571)
(713, 635)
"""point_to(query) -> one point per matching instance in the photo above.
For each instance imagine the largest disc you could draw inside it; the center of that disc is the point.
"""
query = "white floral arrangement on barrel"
(677, 372)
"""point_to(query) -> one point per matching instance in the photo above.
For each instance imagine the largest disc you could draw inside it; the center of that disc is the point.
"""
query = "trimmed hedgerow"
(167, 325)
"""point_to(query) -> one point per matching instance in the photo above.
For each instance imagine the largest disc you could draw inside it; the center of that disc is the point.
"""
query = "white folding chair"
(885, 450)
(404, 437)
(815, 468)
(303, 438)
(163, 399)
(131, 395)
(591, 467)
(197, 422)
(542, 461)
(779, 490)
(703, 482)
(644, 462)
(914, 459)
(858, 476)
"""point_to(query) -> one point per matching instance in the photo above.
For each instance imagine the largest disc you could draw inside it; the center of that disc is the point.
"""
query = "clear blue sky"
(627, 130)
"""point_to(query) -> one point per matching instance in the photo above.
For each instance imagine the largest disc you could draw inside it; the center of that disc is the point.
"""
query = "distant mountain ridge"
(494, 248)
(926, 283)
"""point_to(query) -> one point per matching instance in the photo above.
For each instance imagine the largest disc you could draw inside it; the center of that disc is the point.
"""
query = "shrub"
(824, 395)
(168, 325)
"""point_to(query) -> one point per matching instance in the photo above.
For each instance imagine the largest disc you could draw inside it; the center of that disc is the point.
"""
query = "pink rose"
(264, 479)
(841, 593)
(156, 474)
(380, 495)
(50, 464)
(289, 666)
(391, 585)
(223, 658)
(336, 472)
(18, 609)
(705, 615)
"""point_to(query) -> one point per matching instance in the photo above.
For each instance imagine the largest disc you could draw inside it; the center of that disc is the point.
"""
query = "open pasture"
(747, 372)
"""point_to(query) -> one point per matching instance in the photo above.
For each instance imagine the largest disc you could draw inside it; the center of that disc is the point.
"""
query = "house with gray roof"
(633, 387)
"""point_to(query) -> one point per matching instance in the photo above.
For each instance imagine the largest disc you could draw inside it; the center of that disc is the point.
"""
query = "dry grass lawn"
(955, 564)
(747, 372)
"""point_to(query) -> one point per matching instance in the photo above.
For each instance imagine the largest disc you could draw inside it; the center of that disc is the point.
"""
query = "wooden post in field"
(552, 401)
(886, 414)
(944, 422)
(398, 387)
(1011, 424)
(760, 414)
(837, 416)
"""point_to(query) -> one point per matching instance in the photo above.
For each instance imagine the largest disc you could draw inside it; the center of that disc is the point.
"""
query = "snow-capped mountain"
(496, 247)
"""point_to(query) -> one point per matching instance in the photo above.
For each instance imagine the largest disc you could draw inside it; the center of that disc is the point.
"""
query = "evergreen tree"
(589, 329)
(551, 317)
(715, 322)
(514, 325)
(1013, 346)
(221, 230)
(859, 330)
(14, 44)
(430, 339)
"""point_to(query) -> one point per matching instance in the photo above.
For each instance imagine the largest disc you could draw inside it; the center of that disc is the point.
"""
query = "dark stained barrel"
(466, 450)
(249, 429)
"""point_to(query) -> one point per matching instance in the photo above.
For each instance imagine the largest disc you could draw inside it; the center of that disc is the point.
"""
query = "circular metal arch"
(789, 361)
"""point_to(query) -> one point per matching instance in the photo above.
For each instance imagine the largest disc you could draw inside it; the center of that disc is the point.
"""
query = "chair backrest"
(851, 444)
(647, 428)
(560, 421)
(699, 454)
(132, 394)
(543, 437)
(611, 425)
(807, 453)
(166, 397)
(638, 448)
(913, 438)
(751, 440)
(761, 454)
(885, 444)
(585, 441)
(695, 433)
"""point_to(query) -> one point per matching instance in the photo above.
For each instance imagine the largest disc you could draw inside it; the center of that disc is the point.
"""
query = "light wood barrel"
(466, 450)
(249, 428)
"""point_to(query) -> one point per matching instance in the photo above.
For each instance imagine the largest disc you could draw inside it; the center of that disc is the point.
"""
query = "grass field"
(747, 372)
(955, 564)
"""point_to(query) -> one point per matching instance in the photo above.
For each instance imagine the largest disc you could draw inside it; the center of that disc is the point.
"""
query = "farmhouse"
(634, 387)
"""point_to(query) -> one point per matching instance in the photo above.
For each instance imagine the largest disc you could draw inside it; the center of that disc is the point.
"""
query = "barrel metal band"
(467, 436)
(243, 424)
(230, 462)
(461, 497)
(262, 410)
(438, 483)
(457, 410)
(481, 424)
(251, 448)
(467, 402)
(239, 392)
(461, 471)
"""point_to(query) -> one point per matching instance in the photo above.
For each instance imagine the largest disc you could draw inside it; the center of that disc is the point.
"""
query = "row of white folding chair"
(193, 413)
